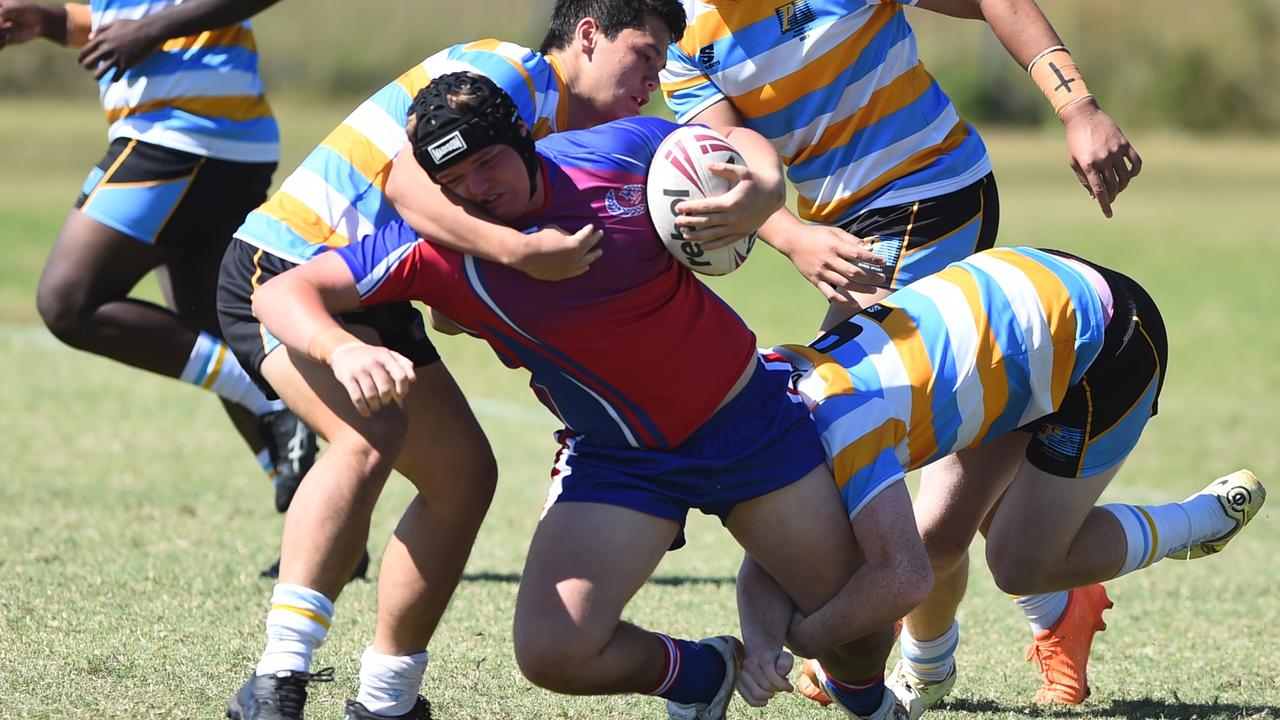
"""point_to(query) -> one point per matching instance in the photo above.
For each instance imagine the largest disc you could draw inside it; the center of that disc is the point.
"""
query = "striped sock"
(693, 672)
(860, 697)
(931, 660)
(389, 684)
(1044, 610)
(297, 624)
(1154, 531)
(214, 367)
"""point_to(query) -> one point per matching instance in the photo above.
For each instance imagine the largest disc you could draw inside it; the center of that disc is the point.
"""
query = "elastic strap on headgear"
(443, 137)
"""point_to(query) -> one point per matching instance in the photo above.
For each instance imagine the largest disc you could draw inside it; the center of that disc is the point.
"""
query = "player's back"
(975, 351)
(199, 93)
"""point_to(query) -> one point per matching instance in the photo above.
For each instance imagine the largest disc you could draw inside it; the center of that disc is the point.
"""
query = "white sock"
(297, 624)
(1154, 531)
(1043, 610)
(389, 684)
(213, 366)
(931, 660)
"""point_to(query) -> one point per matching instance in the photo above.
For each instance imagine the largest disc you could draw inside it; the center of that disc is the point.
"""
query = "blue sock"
(694, 672)
(862, 697)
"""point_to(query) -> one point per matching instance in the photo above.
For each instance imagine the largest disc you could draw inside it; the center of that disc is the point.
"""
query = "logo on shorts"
(626, 201)
(446, 147)
(1065, 442)
(794, 18)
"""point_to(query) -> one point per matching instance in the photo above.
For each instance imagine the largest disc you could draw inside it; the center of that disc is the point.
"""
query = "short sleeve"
(687, 89)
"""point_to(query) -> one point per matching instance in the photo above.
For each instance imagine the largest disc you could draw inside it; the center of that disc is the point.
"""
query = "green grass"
(135, 522)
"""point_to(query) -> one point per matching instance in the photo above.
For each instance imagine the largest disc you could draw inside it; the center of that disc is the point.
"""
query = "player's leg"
(451, 464)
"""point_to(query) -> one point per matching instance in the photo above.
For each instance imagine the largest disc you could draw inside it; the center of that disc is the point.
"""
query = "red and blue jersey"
(636, 351)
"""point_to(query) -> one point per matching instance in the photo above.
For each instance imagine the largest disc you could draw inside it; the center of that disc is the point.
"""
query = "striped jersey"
(636, 352)
(987, 345)
(838, 89)
(337, 194)
(200, 93)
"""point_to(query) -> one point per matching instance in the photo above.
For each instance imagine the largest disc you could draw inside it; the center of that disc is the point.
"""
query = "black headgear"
(444, 137)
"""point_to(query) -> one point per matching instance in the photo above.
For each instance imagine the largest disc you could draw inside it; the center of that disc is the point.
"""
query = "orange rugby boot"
(808, 684)
(1061, 653)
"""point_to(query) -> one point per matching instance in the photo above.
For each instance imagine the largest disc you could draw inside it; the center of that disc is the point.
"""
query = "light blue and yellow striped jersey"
(199, 93)
(970, 353)
(337, 195)
(838, 89)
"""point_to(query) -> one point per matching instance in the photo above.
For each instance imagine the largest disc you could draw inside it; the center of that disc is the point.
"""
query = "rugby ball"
(678, 172)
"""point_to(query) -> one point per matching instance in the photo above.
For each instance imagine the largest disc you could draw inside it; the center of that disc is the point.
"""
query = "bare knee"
(372, 449)
(65, 314)
(1017, 573)
(463, 478)
(946, 550)
(552, 661)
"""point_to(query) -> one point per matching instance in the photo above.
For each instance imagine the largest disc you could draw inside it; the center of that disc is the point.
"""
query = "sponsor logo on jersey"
(794, 18)
(707, 57)
(626, 201)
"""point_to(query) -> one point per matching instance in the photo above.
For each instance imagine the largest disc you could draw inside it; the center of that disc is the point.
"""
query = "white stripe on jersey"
(132, 12)
(858, 174)
(379, 127)
(779, 62)
(901, 56)
(196, 144)
(1025, 302)
(330, 205)
(193, 82)
(957, 318)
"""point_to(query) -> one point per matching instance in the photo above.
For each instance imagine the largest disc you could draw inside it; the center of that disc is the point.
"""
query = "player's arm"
(298, 307)
(764, 612)
(895, 577)
(825, 256)
(548, 254)
(1099, 152)
(122, 44)
(22, 21)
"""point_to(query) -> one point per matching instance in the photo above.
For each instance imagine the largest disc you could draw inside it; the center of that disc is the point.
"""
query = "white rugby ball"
(679, 172)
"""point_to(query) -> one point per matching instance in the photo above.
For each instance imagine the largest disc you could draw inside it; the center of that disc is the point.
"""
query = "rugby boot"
(1061, 653)
(732, 651)
(361, 571)
(916, 694)
(807, 683)
(1241, 496)
(891, 707)
(292, 447)
(279, 696)
(421, 710)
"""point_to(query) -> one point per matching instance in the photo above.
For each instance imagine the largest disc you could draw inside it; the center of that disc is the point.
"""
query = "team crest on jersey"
(794, 18)
(626, 201)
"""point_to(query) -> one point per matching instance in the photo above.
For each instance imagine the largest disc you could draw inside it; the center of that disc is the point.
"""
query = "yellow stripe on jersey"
(1062, 323)
(822, 71)
(862, 453)
(363, 155)
(303, 220)
(989, 361)
(233, 107)
(222, 37)
(709, 27)
(908, 342)
(670, 88)
(492, 46)
(414, 79)
(909, 86)
(562, 102)
(955, 137)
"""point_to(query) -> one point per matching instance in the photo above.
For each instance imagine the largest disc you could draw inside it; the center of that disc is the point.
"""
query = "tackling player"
(639, 450)
(1042, 370)
(879, 154)
(193, 144)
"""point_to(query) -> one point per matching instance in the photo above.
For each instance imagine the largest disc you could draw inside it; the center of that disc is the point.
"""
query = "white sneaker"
(1241, 496)
(891, 707)
(732, 651)
(916, 694)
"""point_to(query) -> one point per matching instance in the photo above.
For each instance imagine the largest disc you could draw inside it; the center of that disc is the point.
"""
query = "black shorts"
(922, 237)
(245, 268)
(1101, 417)
(171, 198)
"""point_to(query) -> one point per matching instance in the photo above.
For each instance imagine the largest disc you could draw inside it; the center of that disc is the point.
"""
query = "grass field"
(134, 522)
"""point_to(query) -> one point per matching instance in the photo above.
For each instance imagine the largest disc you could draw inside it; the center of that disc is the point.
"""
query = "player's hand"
(374, 376)
(20, 22)
(1100, 154)
(552, 254)
(763, 675)
(825, 256)
(741, 210)
(118, 46)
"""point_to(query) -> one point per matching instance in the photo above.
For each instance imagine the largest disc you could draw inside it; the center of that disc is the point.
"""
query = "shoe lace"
(291, 690)
(1043, 652)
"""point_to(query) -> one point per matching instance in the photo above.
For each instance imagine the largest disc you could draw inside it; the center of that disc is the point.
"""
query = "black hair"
(613, 16)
